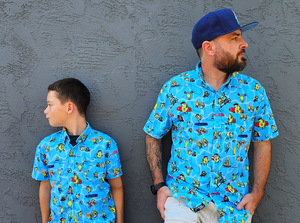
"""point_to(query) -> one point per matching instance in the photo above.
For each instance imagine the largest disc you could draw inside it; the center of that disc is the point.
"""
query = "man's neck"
(212, 76)
(76, 126)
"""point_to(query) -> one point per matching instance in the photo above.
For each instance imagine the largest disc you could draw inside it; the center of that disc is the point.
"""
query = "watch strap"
(156, 187)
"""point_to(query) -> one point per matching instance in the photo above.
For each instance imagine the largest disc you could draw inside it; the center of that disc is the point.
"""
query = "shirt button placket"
(73, 194)
(218, 115)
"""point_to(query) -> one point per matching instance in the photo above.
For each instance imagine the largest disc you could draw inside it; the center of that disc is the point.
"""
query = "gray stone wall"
(124, 51)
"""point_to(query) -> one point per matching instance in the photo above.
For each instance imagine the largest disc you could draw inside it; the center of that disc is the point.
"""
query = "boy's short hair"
(71, 89)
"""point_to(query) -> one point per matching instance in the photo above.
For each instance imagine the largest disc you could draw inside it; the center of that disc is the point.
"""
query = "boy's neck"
(76, 127)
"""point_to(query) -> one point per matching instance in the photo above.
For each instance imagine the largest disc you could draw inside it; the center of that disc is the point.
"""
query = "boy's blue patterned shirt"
(211, 134)
(80, 192)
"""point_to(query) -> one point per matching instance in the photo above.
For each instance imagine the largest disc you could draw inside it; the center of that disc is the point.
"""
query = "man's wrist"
(258, 190)
(156, 187)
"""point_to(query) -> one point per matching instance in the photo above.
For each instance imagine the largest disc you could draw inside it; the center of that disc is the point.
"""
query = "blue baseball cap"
(216, 24)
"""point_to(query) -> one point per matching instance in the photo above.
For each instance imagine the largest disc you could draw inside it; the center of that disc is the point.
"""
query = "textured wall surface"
(124, 51)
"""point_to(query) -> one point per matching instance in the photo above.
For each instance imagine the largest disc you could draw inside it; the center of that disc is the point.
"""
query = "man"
(214, 113)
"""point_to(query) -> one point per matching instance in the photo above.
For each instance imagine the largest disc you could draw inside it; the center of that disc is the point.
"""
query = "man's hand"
(250, 202)
(261, 167)
(162, 194)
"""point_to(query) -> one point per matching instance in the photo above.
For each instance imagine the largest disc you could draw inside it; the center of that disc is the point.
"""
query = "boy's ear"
(70, 107)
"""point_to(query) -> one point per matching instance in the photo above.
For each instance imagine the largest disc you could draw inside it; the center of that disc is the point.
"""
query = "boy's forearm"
(118, 196)
(45, 196)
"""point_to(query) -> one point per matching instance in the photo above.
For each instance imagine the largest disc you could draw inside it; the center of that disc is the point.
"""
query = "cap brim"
(248, 26)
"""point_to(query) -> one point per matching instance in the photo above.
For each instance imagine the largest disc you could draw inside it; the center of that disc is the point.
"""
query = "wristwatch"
(155, 188)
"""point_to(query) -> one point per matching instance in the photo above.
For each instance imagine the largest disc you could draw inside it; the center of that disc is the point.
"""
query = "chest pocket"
(203, 132)
(238, 123)
(238, 131)
(91, 167)
(58, 168)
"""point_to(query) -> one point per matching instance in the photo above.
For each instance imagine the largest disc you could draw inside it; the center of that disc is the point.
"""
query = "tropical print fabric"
(78, 175)
(211, 134)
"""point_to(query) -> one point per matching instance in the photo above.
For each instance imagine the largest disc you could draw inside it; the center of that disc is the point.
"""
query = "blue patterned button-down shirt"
(78, 175)
(211, 134)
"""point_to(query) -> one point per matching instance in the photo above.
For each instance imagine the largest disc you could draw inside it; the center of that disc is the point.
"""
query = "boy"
(79, 168)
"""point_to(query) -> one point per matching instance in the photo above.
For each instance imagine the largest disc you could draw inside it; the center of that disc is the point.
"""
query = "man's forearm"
(154, 158)
(261, 165)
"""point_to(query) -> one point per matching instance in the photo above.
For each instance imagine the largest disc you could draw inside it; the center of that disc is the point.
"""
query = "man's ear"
(208, 48)
(70, 107)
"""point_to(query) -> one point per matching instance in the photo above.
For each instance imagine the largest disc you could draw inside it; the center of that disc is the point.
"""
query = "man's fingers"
(241, 204)
(162, 195)
(162, 213)
(161, 208)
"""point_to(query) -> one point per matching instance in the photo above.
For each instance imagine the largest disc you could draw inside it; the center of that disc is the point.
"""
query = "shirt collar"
(199, 71)
(81, 138)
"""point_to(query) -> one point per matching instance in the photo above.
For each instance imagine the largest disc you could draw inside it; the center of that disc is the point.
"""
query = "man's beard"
(225, 63)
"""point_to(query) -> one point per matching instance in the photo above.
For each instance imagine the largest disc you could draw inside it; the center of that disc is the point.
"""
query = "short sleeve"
(264, 123)
(40, 166)
(159, 122)
(113, 163)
